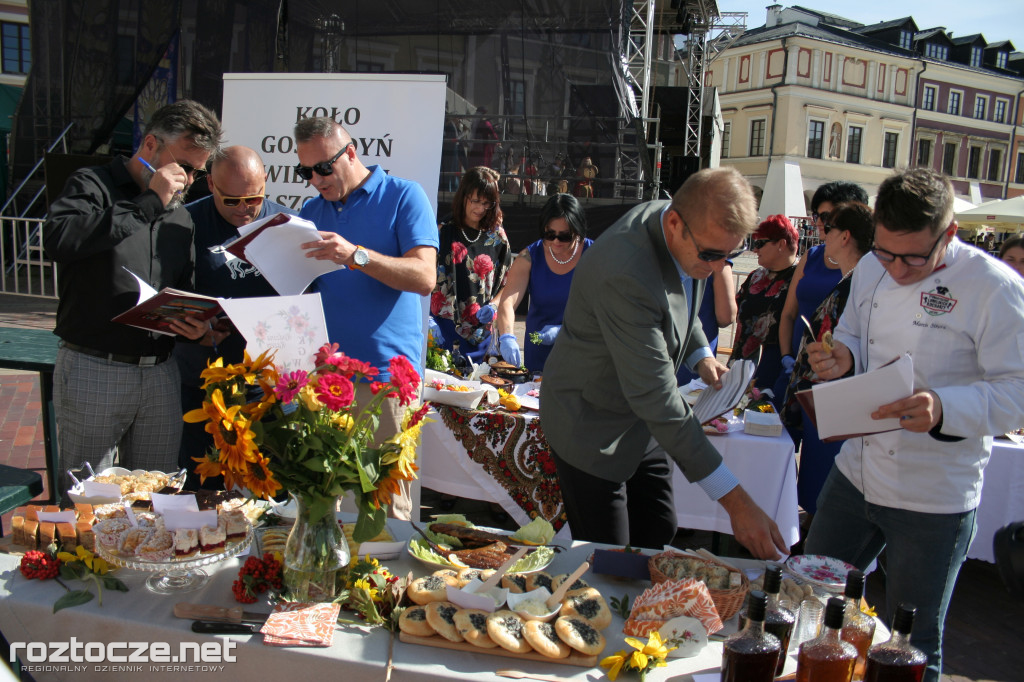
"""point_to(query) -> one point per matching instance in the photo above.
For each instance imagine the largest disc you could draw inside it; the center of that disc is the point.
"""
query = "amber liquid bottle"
(897, 660)
(858, 627)
(751, 654)
(827, 658)
(778, 620)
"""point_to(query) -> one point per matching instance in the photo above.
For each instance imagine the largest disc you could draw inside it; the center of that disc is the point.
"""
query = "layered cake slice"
(186, 542)
(236, 525)
(213, 539)
(159, 546)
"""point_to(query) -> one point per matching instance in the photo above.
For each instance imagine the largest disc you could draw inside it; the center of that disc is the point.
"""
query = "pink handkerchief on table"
(297, 624)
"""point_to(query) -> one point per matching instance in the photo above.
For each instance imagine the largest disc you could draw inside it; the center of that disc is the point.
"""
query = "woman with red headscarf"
(762, 296)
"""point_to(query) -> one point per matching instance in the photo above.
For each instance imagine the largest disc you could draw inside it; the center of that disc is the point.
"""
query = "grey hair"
(321, 126)
(187, 118)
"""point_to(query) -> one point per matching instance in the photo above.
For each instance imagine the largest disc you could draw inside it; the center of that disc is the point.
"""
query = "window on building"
(1000, 113)
(17, 53)
(757, 137)
(726, 140)
(980, 107)
(928, 99)
(889, 150)
(854, 137)
(815, 139)
(1001, 59)
(995, 164)
(954, 102)
(518, 96)
(1018, 174)
(936, 51)
(973, 161)
(924, 152)
(906, 38)
(949, 158)
(976, 53)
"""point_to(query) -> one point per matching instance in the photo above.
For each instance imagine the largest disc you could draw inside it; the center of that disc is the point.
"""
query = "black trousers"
(639, 512)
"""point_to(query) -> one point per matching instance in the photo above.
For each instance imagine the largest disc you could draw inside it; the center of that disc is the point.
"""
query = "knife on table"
(206, 627)
(222, 614)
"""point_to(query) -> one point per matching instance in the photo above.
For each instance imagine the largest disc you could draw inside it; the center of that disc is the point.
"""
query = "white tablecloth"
(1002, 497)
(765, 467)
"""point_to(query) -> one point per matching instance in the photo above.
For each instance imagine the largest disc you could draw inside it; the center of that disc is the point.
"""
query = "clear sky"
(996, 19)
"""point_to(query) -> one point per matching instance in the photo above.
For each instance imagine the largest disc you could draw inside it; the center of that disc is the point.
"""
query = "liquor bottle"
(751, 654)
(858, 627)
(897, 660)
(778, 620)
(461, 362)
(827, 658)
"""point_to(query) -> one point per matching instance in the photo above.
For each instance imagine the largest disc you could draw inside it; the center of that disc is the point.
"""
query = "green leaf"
(72, 598)
(70, 570)
(315, 464)
(369, 525)
(318, 508)
(113, 583)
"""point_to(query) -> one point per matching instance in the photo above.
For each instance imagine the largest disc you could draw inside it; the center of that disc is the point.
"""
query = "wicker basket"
(727, 602)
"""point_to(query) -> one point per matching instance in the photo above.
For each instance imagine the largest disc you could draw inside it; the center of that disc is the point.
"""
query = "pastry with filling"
(506, 628)
(580, 635)
(590, 605)
(543, 638)
(428, 589)
(441, 617)
(414, 622)
(186, 542)
(472, 625)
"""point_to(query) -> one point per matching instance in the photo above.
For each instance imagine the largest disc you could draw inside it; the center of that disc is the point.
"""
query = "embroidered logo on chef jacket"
(937, 301)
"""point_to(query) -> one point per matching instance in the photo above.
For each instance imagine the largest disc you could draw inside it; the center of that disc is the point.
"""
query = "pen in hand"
(147, 165)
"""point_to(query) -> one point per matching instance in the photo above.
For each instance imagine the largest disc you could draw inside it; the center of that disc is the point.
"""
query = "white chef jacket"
(963, 325)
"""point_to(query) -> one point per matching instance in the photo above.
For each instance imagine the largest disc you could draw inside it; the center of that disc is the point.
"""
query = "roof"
(932, 33)
(1000, 45)
(833, 19)
(824, 32)
(885, 25)
(973, 38)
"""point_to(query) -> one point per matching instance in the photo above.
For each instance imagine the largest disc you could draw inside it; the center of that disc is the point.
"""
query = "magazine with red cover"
(156, 312)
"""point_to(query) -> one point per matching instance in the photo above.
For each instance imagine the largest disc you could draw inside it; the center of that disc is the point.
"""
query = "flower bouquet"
(307, 434)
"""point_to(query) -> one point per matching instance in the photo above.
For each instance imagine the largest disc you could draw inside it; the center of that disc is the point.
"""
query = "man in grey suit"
(609, 402)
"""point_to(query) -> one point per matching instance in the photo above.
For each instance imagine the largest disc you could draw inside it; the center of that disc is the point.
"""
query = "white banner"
(396, 121)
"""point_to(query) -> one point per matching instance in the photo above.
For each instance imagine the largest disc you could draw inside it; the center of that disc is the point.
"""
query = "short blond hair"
(721, 195)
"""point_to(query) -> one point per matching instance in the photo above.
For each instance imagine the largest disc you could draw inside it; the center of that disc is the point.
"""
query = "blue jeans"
(923, 554)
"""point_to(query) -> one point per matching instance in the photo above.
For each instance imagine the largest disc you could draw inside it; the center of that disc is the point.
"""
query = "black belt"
(140, 360)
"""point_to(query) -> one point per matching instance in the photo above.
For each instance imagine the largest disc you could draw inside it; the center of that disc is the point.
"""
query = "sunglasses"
(564, 237)
(913, 260)
(231, 202)
(707, 255)
(323, 169)
(759, 243)
(191, 171)
(823, 216)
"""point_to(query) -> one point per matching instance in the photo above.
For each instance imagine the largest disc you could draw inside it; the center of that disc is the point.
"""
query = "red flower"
(376, 387)
(335, 391)
(418, 415)
(482, 265)
(459, 252)
(349, 366)
(436, 302)
(470, 311)
(325, 352)
(405, 378)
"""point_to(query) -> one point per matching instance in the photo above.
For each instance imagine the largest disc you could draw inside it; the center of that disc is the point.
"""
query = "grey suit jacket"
(609, 383)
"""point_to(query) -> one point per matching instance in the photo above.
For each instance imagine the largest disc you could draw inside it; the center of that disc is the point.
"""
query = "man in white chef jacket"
(960, 315)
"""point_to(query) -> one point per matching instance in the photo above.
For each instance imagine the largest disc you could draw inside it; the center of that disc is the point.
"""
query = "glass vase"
(315, 551)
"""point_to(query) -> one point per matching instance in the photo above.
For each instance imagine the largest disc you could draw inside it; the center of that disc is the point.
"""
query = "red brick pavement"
(21, 428)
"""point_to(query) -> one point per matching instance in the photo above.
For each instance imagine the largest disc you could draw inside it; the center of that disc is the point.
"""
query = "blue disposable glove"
(434, 330)
(481, 349)
(548, 334)
(510, 349)
(486, 313)
(787, 364)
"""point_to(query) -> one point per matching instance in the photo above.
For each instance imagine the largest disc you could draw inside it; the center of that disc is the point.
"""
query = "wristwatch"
(360, 259)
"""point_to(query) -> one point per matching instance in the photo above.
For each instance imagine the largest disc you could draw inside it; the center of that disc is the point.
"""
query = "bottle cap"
(854, 584)
(772, 578)
(834, 613)
(903, 621)
(757, 602)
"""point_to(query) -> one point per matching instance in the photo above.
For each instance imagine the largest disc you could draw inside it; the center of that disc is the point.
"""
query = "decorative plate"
(820, 570)
(536, 560)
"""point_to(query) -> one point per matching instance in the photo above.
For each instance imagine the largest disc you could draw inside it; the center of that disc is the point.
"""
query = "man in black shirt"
(114, 393)
(237, 183)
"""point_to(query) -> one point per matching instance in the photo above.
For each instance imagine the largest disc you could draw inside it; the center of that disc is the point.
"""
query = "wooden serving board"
(574, 658)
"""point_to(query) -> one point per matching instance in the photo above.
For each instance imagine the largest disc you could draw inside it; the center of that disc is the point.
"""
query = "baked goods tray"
(574, 658)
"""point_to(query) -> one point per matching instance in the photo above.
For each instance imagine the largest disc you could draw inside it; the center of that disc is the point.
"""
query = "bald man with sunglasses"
(611, 410)
(237, 183)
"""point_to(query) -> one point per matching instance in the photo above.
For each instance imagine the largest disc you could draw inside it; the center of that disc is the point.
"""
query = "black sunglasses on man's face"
(323, 169)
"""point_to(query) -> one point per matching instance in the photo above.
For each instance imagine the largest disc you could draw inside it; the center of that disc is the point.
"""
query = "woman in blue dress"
(544, 271)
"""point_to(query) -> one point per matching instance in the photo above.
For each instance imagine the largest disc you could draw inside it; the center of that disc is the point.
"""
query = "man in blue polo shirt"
(384, 231)
(237, 185)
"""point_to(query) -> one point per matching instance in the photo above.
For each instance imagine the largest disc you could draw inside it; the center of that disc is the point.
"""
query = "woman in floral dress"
(472, 262)
(762, 297)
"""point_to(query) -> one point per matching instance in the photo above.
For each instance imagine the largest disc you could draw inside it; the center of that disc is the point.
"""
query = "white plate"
(817, 569)
(437, 561)
(531, 402)
(77, 495)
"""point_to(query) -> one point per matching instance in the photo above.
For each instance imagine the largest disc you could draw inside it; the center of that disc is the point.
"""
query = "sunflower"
(209, 466)
(259, 479)
(232, 435)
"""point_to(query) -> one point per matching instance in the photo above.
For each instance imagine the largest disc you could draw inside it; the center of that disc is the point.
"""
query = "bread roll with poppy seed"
(428, 589)
(506, 628)
(441, 616)
(472, 625)
(514, 582)
(544, 639)
(580, 635)
(590, 605)
(414, 621)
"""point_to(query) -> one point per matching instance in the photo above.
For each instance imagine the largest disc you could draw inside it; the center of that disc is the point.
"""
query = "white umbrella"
(1001, 216)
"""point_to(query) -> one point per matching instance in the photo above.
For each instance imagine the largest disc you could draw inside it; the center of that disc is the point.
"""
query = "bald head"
(237, 177)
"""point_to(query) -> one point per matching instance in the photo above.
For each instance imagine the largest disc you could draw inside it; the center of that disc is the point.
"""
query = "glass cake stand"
(175, 576)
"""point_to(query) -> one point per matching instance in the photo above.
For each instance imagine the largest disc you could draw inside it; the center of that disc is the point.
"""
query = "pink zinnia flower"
(326, 350)
(289, 385)
(335, 391)
(482, 265)
(405, 378)
(459, 252)
(349, 366)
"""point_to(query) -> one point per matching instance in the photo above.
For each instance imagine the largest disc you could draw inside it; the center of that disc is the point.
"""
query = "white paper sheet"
(294, 326)
(712, 403)
(845, 406)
